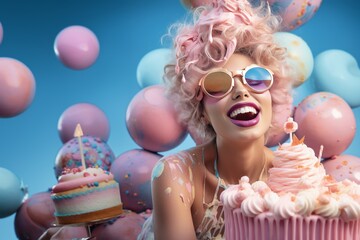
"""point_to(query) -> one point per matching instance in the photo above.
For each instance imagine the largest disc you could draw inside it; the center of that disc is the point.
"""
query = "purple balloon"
(93, 122)
(17, 87)
(95, 151)
(126, 227)
(77, 47)
(132, 170)
(1, 33)
(35, 216)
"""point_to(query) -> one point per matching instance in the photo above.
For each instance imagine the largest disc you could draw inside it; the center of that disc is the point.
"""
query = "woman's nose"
(239, 91)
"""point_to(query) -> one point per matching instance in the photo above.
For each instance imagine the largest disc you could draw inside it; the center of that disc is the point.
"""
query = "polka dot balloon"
(96, 153)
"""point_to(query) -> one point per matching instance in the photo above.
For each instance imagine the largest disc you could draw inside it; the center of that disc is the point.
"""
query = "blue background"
(126, 30)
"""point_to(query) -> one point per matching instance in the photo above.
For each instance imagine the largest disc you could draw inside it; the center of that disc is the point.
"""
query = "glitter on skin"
(157, 171)
(182, 197)
(181, 181)
(168, 190)
(190, 174)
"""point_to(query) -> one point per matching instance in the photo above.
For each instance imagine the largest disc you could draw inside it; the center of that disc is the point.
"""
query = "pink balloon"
(343, 167)
(294, 13)
(17, 87)
(1, 33)
(92, 119)
(77, 47)
(325, 119)
(126, 227)
(34, 216)
(152, 120)
(132, 170)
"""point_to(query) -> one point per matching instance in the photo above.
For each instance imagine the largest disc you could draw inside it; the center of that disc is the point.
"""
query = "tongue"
(245, 116)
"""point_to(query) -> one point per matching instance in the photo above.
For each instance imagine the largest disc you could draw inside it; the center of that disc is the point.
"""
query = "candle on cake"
(79, 133)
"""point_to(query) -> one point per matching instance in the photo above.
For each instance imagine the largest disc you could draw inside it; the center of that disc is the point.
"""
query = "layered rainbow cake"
(298, 202)
(86, 195)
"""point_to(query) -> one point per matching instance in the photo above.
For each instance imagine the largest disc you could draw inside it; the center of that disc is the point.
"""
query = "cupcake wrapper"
(266, 226)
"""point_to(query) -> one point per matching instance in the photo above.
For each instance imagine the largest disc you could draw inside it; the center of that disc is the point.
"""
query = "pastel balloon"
(299, 56)
(195, 3)
(152, 121)
(150, 69)
(343, 167)
(1, 33)
(92, 119)
(132, 170)
(77, 47)
(126, 227)
(96, 152)
(34, 216)
(17, 87)
(325, 119)
(338, 72)
(294, 13)
(12, 192)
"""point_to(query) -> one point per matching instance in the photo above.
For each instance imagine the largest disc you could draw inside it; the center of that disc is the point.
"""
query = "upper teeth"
(243, 110)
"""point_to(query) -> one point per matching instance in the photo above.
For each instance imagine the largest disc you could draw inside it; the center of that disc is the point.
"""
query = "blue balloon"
(337, 71)
(12, 193)
(299, 56)
(150, 69)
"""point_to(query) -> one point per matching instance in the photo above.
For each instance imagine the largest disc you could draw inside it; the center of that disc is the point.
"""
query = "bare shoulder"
(180, 172)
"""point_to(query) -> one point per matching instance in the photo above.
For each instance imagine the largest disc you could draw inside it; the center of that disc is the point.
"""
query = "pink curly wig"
(218, 31)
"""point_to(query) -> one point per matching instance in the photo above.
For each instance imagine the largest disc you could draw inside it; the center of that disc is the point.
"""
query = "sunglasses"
(219, 82)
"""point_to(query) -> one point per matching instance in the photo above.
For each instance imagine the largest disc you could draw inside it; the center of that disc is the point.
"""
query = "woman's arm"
(173, 195)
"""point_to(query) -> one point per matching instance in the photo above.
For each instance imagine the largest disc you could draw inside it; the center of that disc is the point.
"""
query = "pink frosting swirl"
(253, 205)
(285, 207)
(82, 178)
(295, 168)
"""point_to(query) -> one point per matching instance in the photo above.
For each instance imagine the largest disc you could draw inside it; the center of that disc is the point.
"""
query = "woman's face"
(241, 114)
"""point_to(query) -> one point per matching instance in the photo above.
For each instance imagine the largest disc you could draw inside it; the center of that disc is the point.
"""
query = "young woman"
(228, 79)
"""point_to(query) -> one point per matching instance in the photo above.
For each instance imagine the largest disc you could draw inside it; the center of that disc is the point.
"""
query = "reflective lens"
(218, 83)
(259, 79)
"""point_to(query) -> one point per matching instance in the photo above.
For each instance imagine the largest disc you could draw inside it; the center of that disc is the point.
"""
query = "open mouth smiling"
(244, 114)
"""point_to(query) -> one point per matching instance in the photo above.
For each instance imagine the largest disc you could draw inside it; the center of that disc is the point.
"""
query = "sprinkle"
(141, 203)
(135, 194)
(96, 184)
(158, 170)
(127, 192)
(182, 198)
(168, 190)
(86, 174)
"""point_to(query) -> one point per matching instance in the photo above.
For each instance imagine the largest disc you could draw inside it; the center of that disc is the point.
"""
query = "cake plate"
(91, 223)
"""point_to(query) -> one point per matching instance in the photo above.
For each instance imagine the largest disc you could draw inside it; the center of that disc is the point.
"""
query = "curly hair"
(217, 32)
